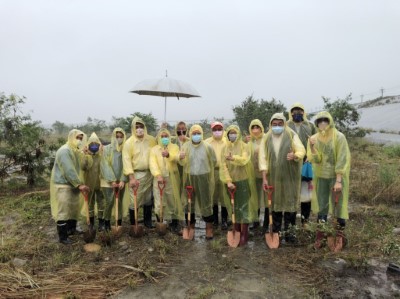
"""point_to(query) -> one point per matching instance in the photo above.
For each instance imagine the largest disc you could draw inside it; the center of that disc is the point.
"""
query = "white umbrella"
(165, 87)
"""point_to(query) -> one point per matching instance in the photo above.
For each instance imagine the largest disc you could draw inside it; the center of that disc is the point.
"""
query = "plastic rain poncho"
(167, 168)
(219, 189)
(254, 146)
(135, 157)
(198, 172)
(111, 170)
(283, 175)
(240, 172)
(65, 179)
(332, 157)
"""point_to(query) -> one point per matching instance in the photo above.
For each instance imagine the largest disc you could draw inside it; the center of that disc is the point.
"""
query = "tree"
(60, 128)
(93, 125)
(345, 116)
(125, 122)
(251, 109)
(21, 141)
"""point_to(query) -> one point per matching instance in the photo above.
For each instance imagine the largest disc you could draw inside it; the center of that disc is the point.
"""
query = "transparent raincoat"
(305, 129)
(66, 176)
(240, 172)
(283, 175)
(198, 172)
(332, 157)
(167, 168)
(135, 157)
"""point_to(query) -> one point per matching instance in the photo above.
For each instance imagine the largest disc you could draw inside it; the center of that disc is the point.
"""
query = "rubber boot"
(62, 230)
(101, 224)
(107, 225)
(147, 211)
(72, 228)
(238, 227)
(132, 216)
(215, 214)
(224, 218)
(119, 222)
(244, 234)
(319, 239)
(209, 231)
(91, 222)
(266, 221)
(256, 224)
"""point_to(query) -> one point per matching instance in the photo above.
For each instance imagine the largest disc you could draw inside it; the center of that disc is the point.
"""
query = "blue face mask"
(94, 148)
(277, 130)
(298, 117)
(165, 141)
(196, 138)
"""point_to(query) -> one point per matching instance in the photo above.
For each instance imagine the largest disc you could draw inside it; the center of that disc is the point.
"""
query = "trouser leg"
(276, 221)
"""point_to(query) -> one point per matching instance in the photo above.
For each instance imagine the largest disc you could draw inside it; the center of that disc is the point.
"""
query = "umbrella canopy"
(165, 87)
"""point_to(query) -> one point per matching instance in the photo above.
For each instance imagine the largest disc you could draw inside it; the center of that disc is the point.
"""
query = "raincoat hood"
(72, 139)
(237, 130)
(163, 130)
(93, 139)
(279, 116)
(114, 141)
(324, 114)
(297, 105)
(256, 122)
(196, 128)
(136, 120)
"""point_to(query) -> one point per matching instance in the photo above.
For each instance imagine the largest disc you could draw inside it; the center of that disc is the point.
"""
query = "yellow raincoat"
(239, 172)
(332, 157)
(65, 179)
(282, 174)
(135, 157)
(304, 129)
(167, 168)
(198, 172)
(111, 170)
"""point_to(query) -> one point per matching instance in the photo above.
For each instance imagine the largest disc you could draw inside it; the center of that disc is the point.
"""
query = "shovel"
(271, 238)
(336, 243)
(188, 231)
(161, 227)
(116, 230)
(136, 229)
(90, 234)
(233, 237)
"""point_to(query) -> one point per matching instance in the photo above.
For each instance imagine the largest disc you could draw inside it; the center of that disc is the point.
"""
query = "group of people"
(302, 162)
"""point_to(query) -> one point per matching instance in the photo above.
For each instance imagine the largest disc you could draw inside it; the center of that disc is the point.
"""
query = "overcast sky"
(78, 58)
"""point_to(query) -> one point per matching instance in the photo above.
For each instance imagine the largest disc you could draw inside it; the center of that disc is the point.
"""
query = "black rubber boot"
(256, 224)
(101, 224)
(62, 230)
(119, 222)
(276, 222)
(215, 214)
(224, 218)
(107, 225)
(72, 228)
(305, 211)
(147, 211)
(132, 216)
(244, 234)
(266, 221)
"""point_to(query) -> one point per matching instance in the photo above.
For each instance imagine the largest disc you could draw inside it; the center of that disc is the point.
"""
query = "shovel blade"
(89, 235)
(161, 228)
(272, 240)
(233, 238)
(335, 244)
(136, 231)
(116, 231)
(188, 233)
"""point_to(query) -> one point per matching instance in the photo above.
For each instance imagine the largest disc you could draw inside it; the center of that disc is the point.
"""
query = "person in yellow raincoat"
(256, 130)
(237, 171)
(112, 176)
(218, 141)
(198, 160)
(91, 168)
(164, 168)
(329, 154)
(135, 157)
(280, 160)
(66, 185)
(299, 123)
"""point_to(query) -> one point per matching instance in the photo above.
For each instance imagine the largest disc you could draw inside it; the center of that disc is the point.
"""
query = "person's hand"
(165, 153)
(337, 187)
(86, 150)
(182, 155)
(231, 186)
(133, 183)
(229, 157)
(310, 186)
(160, 179)
(114, 184)
(121, 185)
(290, 156)
(312, 141)
(84, 188)
(265, 185)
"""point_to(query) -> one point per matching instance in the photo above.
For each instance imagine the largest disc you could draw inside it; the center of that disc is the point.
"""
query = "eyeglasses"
(180, 133)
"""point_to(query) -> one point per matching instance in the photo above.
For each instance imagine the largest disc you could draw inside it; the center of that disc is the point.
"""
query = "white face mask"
(232, 137)
(217, 134)
(139, 132)
(323, 125)
(120, 140)
(78, 143)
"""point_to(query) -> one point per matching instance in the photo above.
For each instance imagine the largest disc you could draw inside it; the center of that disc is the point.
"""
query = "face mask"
(94, 148)
(322, 125)
(165, 141)
(120, 140)
(139, 132)
(232, 137)
(217, 134)
(196, 138)
(78, 143)
(298, 117)
(277, 130)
